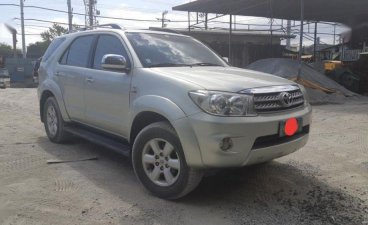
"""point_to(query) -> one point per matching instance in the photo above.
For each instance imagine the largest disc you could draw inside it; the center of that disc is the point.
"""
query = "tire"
(153, 165)
(53, 122)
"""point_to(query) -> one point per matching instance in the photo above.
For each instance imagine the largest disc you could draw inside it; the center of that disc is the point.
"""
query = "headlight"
(223, 103)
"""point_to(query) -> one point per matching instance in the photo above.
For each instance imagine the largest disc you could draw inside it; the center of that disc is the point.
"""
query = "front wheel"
(159, 162)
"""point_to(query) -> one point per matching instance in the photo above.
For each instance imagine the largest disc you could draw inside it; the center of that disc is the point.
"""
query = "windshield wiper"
(205, 64)
(168, 65)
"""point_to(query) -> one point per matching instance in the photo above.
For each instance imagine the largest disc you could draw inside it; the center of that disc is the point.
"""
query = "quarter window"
(108, 44)
(52, 48)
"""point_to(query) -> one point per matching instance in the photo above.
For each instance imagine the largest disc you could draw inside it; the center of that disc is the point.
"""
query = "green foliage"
(7, 50)
(37, 49)
(53, 32)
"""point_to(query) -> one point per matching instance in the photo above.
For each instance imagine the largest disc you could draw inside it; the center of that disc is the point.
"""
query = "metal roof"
(349, 12)
(235, 33)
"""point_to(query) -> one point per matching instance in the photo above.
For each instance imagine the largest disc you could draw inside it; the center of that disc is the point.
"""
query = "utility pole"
(315, 42)
(22, 24)
(163, 20)
(91, 3)
(334, 40)
(271, 27)
(230, 37)
(70, 15)
(91, 12)
(188, 21)
(301, 39)
(206, 21)
(288, 32)
(271, 31)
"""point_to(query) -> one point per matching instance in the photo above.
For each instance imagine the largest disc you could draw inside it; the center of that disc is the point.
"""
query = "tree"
(53, 32)
(7, 50)
(37, 49)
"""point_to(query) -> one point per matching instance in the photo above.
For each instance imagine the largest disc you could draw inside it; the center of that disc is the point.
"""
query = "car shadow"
(271, 193)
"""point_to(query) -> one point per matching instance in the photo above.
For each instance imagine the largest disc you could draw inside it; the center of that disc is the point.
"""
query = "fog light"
(226, 144)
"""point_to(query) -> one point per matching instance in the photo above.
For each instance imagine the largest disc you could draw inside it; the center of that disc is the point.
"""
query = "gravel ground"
(324, 183)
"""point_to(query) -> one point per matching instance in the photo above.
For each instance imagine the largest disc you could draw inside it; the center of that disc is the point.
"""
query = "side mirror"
(226, 59)
(114, 62)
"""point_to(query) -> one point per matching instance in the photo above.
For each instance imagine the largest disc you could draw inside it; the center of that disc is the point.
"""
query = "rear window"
(55, 44)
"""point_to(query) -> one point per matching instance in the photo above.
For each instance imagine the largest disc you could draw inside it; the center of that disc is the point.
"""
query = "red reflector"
(291, 126)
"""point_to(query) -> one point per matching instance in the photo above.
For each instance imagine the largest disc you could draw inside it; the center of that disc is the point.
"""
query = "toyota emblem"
(286, 99)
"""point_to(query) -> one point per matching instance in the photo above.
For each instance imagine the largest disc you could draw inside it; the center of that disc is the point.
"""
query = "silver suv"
(168, 102)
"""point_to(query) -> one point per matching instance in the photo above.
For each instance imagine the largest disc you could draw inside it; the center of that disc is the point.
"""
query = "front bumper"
(247, 135)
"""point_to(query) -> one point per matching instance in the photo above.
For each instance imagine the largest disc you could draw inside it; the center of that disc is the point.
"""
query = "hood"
(222, 78)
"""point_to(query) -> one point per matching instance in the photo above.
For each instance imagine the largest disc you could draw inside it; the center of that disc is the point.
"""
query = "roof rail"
(109, 25)
(164, 30)
(77, 30)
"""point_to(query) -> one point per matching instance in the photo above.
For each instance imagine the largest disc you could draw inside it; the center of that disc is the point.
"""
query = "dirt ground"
(324, 183)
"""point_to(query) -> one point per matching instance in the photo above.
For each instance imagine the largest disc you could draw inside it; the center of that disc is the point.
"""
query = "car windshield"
(165, 50)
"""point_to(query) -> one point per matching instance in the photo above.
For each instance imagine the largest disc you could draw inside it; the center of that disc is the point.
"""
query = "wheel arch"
(50, 89)
(142, 120)
(45, 95)
(150, 109)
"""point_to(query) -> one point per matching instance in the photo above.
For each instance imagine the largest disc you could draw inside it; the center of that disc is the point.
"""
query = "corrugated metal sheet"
(344, 11)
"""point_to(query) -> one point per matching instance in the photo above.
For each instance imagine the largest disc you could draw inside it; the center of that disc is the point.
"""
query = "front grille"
(270, 102)
(276, 98)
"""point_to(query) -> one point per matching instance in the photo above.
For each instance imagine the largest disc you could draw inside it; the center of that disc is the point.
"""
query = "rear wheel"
(159, 162)
(53, 121)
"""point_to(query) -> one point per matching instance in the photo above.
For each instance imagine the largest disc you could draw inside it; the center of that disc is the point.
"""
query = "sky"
(137, 9)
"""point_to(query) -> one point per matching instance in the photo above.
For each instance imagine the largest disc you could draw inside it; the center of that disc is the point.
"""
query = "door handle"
(90, 80)
(58, 74)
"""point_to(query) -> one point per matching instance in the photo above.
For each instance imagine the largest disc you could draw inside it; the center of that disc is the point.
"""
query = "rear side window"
(78, 52)
(108, 44)
(55, 44)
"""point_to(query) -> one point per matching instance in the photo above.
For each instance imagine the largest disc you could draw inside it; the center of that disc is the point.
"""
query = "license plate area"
(283, 124)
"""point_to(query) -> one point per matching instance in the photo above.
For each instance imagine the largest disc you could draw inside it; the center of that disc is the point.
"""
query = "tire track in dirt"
(62, 185)
(21, 164)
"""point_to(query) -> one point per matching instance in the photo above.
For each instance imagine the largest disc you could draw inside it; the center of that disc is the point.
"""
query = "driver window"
(108, 44)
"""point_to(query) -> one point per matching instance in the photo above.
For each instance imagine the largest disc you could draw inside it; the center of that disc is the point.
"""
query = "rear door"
(71, 73)
(107, 92)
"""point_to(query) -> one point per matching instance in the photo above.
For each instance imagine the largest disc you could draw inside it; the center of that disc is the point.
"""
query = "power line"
(143, 20)
(80, 14)
(47, 21)
(99, 16)
(30, 25)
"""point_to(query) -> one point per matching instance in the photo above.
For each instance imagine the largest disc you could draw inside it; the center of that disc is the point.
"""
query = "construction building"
(247, 46)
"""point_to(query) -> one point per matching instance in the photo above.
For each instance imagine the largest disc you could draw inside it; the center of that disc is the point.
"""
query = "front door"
(107, 92)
